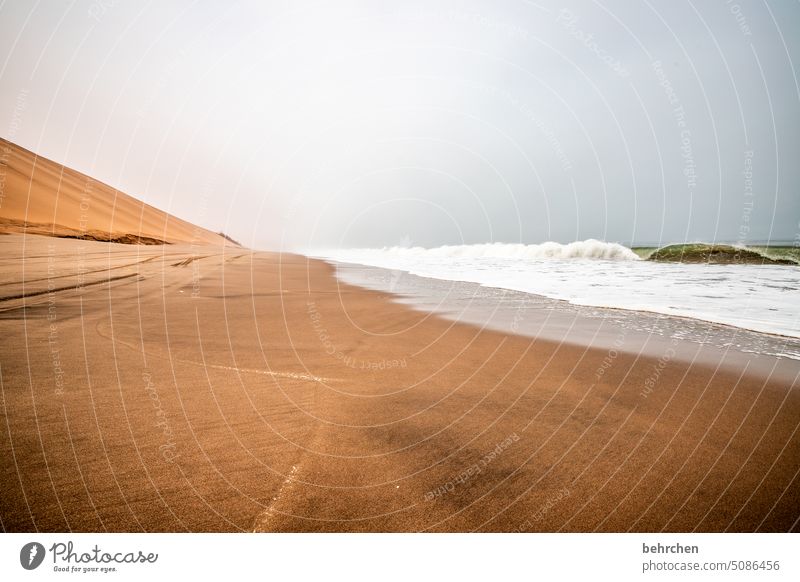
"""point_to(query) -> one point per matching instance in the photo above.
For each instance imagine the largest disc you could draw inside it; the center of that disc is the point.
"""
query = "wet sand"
(180, 388)
(614, 330)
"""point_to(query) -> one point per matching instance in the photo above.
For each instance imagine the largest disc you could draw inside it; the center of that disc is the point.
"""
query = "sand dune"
(39, 196)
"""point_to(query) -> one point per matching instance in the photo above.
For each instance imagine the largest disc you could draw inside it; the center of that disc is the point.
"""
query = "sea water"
(761, 298)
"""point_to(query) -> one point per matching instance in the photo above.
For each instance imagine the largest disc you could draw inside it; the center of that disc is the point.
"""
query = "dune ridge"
(40, 196)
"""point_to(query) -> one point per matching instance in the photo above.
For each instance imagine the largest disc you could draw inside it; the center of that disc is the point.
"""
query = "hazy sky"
(316, 124)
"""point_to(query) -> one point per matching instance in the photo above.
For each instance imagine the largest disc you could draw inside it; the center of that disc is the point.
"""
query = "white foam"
(587, 249)
(755, 297)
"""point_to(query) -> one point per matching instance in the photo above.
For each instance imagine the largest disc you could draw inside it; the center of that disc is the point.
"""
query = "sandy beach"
(213, 388)
(527, 273)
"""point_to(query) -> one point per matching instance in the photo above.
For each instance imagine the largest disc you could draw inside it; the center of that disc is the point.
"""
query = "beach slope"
(178, 388)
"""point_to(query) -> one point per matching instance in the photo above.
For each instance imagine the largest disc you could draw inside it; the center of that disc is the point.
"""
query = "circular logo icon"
(31, 555)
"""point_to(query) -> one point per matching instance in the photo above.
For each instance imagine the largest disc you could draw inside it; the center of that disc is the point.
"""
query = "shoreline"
(756, 298)
(198, 394)
(598, 327)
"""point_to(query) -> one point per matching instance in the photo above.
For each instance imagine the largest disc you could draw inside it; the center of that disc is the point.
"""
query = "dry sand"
(177, 388)
(39, 196)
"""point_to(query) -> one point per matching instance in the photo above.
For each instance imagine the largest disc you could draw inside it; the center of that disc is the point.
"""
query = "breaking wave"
(587, 249)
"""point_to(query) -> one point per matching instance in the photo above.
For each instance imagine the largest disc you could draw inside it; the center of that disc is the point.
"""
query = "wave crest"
(587, 249)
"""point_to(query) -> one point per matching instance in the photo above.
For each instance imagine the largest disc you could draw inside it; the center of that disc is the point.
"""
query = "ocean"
(763, 299)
